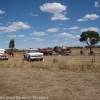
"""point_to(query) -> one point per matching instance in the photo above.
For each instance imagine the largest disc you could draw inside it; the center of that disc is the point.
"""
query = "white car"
(3, 54)
(32, 54)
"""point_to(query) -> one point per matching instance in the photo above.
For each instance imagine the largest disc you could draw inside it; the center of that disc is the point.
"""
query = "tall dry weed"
(54, 64)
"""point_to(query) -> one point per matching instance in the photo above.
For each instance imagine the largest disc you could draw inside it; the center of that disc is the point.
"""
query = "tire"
(41, 59)
(6, 59)
(50, 53)
(46, 53)
(29, 59)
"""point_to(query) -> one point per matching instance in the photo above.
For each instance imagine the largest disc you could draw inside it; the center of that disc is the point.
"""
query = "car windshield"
(32, 51)
(1, 51)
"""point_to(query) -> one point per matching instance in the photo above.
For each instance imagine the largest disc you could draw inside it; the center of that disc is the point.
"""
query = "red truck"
(46, 51)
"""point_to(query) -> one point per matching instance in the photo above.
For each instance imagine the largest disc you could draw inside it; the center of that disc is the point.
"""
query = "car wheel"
(42, 59)
(6, 59)
(50, 53)
(29, 59)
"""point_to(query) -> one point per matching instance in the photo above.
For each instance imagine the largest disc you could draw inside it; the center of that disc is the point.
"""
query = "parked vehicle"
(3, 54)
(33, 54)
(46, 51)
(62, 51)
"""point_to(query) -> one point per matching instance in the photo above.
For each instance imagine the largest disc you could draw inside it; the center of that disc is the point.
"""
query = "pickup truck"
(3, 54)
(33, 54)
(46, 51)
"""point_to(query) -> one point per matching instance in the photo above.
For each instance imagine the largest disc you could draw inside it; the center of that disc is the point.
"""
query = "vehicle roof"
(32, 49)
(2, 49)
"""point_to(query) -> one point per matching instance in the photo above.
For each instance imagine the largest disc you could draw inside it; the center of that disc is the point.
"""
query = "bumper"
(3, 58)
(36, 57)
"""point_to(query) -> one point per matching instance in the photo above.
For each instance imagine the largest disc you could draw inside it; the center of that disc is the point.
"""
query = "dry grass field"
(73, 77)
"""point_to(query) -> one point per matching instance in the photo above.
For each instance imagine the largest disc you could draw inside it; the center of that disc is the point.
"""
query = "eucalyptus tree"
(11, 44)
(90, 38)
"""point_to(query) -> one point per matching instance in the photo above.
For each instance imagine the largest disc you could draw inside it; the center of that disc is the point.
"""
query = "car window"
(32, 51)
(1, 51)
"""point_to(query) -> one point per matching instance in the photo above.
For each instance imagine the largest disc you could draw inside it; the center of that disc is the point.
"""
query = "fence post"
(94, 58)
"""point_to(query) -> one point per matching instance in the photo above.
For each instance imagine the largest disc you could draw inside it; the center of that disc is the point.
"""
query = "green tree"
(11, 44)
(90, 38)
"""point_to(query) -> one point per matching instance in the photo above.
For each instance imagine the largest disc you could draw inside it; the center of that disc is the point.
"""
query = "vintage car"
(3, 54)
(33, 54)
(46, 51)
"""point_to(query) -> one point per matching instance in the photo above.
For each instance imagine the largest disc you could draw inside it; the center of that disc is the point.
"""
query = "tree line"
(88, 37)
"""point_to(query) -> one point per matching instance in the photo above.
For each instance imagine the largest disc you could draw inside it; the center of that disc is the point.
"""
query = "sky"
(47, 23)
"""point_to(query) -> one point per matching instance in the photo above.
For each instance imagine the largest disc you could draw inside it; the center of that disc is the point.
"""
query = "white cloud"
(66, 39)
(2, 28)
(73, 28)
(73, 31)
(38, 39)
(53, 30)
(65, 42)
(90, 28)
(76, 43)
(57, 10)
(67, 35)
(2, 12)
(7, 41)
(38, 33)
(88, 16)
(97, 4)
(78, 36)
(53, 7)
(27, 38)
(19, 25)
(12, 36)
(60, 24)
(55, 40)
(65, 13)
(64, 29)
(33, 14)
(21, 36)
(14, 27)
(59, 17)
(91, 16)
(81, 20)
